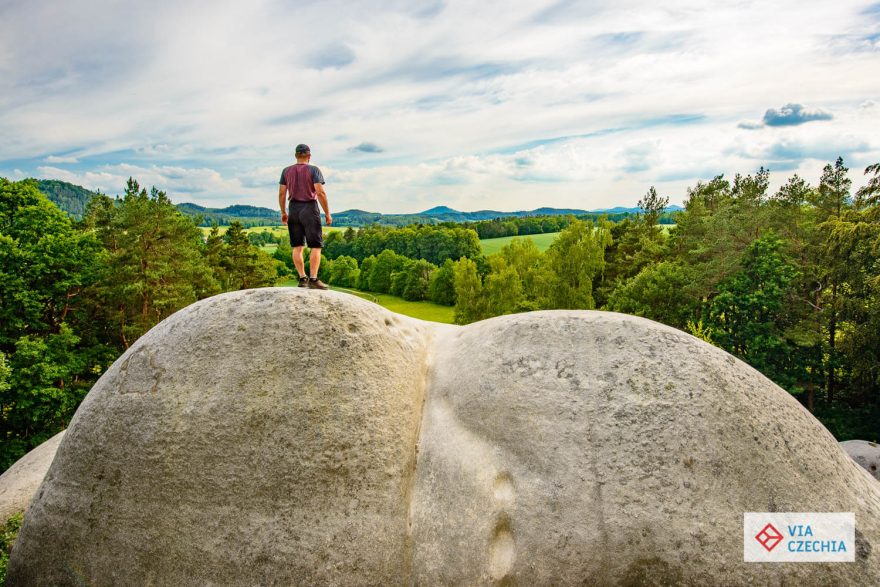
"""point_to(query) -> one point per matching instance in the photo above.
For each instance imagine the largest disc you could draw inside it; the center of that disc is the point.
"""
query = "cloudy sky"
(406, 105)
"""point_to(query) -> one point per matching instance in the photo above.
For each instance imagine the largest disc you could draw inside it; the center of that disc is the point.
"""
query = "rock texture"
(601, 449)
(283, 436)
(19, 483)
(865, 453)
(259, 437)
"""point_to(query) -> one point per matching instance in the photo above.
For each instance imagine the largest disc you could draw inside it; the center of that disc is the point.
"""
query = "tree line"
(526, 225)
(433, 243)
(449, 240)
(75, 294)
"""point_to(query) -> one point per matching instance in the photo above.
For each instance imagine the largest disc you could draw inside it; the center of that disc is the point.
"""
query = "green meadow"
(491, 246)
(278, 231)
(422, 310)
(275, 230)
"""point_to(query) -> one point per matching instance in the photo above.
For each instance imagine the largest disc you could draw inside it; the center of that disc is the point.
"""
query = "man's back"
(300, 180)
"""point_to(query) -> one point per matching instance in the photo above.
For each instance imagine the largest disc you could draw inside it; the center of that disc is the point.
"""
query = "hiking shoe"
(303, 282)
(315, 283)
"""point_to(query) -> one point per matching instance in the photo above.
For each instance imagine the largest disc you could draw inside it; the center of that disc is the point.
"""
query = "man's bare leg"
(314, 262)
(298, 261)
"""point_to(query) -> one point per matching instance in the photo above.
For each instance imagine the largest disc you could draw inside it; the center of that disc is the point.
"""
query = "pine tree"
(831, 200)
(652, 206)
(155, 264)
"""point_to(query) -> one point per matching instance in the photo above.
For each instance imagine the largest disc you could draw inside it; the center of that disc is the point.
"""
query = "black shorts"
(304, 224)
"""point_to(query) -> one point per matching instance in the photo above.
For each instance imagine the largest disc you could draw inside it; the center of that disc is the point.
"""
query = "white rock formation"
(19, 483)
(865, 453)
(283, 436)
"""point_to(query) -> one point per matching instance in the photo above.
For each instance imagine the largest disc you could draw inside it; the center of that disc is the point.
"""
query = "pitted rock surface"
(282, 436)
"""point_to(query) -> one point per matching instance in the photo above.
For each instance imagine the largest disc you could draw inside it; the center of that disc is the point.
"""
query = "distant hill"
(71, 198)
(247, 215)
(446, 214)
(436, 215)
(439, 210)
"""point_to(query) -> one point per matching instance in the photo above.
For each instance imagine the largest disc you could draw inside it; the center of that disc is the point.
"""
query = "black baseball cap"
(303, 149)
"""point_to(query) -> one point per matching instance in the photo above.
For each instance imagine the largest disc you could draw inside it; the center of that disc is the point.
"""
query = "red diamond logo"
(769, 537)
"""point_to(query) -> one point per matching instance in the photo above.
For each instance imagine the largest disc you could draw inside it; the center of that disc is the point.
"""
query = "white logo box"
(799, 537)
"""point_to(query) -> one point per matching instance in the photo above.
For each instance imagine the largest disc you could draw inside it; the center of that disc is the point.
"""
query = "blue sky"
(407, 105)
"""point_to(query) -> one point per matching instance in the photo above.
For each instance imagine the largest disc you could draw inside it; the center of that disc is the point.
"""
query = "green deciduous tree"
(399, 277)
(45, 264)
(535, 276)
(244, 265)
(575, 258)
(47, 335)
(284, 254)
(442, 287)
(367, 266)
(386, 263)
(344, 272)
(502, 288)
(658, 292)
(418, 280)
(470, 304)
(50, 375)
(749, 316)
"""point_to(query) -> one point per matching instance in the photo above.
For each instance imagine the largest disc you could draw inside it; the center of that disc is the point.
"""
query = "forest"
(787, 281)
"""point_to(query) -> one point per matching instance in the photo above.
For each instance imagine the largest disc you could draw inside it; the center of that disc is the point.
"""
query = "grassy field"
(422, 310)
(543, 241)
(493, 245)
(275, 230)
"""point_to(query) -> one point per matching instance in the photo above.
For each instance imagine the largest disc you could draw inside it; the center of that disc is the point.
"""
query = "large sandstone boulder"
(292, 437)
(865, 453)
(19, 483)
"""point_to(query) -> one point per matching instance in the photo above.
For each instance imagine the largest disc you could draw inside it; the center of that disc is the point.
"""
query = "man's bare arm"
(282, 193)
(322, 198)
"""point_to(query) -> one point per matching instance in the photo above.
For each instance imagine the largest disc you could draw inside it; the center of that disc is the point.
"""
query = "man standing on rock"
(303, 185)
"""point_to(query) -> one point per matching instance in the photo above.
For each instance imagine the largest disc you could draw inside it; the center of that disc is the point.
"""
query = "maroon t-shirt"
(300, 180)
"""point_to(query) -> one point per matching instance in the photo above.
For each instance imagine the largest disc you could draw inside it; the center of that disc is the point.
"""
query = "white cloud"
(441, 91)
(59, 159)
